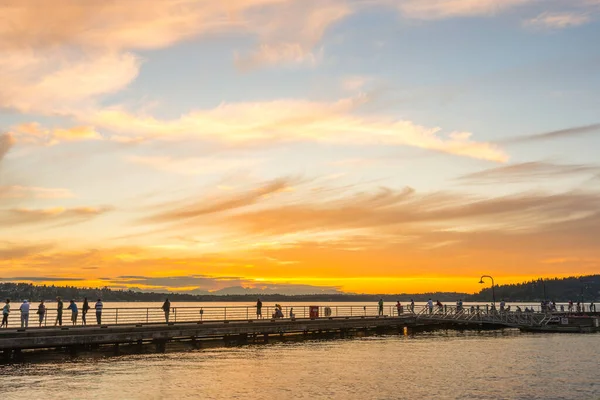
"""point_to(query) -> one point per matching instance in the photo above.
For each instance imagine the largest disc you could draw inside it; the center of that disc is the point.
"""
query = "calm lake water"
(440, 365)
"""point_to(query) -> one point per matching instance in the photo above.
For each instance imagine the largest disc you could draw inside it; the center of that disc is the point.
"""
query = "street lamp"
(493, 292)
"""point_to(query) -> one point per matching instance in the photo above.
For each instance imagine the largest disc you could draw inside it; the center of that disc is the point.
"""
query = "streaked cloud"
(527, 172)
(558, 20)
(31, 192)
(439, 9)
(195, 208)
(558, 134)
(61, 215)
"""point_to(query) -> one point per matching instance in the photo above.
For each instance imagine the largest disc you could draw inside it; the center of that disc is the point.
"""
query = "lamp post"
(493, 292)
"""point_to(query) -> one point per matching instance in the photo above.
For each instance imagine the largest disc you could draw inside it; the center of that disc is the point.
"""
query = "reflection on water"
(435, 365)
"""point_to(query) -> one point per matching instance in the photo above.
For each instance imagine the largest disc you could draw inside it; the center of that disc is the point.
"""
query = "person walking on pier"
(98, 306)
(24, 314)
(73, 308)
(166, 307)
(41, 312)
(380, 306)
(84, 309)
(5, 312)
(258, 309)
(59, 311)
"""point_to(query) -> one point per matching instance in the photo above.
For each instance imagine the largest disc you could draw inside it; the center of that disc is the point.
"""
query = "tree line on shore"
(582, 288)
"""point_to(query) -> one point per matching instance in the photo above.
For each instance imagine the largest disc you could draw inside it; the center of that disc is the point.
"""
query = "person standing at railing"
(98, 306)
(24, 314)
(5, 313)
(258, 309)
(59, 311)
(84, 310)
(380, 306)
(412, 306)
(41, 312)
(399, 307)
(430, 306)
(166, 307)
(74, 311)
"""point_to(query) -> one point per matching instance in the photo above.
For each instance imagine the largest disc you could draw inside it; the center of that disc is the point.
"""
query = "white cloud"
(293, 120)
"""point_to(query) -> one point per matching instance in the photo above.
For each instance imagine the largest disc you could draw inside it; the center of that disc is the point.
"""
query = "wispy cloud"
(527, 172)
(559, 20)
(196, 208)
(558, 134)
(33, 132)
(295, 120)
(27, 192)
(440, 9)
(61, 215)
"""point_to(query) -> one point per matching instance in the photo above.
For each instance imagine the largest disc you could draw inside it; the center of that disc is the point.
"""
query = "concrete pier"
(72, 338)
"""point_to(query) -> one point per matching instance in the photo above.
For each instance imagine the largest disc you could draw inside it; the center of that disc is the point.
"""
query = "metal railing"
(155, 315)
(477, 314)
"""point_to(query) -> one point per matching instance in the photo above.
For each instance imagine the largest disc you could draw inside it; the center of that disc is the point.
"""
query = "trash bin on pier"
(313, 311)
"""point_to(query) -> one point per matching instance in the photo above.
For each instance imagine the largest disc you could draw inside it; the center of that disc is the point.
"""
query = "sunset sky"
(299, 146)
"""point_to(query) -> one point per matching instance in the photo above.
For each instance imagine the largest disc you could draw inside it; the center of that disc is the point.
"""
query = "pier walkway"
(193, 326)
(533, 321)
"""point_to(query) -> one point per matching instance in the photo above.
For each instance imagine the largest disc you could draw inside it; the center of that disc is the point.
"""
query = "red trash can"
(314, 311)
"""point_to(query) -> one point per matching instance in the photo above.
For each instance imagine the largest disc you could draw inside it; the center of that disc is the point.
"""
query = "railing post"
(175, 314)
(247, 313)
(117, 317)
(225, 314)
(147, 315)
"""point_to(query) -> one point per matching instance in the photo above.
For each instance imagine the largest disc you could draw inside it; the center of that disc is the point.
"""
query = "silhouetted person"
(258, 309)
(41, 312)
(5, 312)
(166, 307)
(59, 311)
(74, 311)
(399, 307)
(380, 306)
(84, 309)
(412, 306)
(98, 306)
(24, 314)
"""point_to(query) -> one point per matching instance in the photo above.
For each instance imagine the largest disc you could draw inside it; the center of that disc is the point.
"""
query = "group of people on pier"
(42, 312)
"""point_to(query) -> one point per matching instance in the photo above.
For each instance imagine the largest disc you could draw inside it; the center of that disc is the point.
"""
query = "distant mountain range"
(586, 288)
